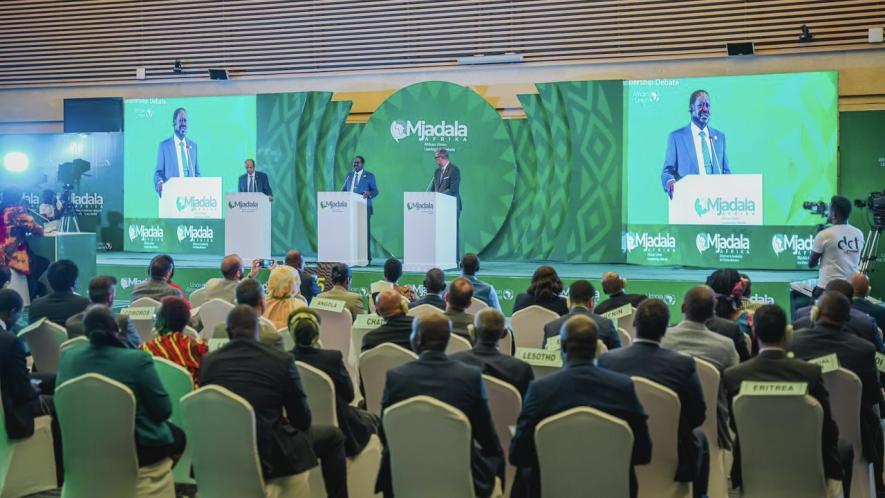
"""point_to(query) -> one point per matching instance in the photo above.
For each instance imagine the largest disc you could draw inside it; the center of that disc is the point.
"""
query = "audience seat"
(44, 339)
(505, 403)
(476, 305)
(178, 382)
(717, 486)
(335, 331)
(76, 342)
(198, 297)
(528, 326)
(625, 337)
(145, 302)
(844, 388)
(211, 314)
(374, 365)
(457, 344)
(423, 309)
(27, 465)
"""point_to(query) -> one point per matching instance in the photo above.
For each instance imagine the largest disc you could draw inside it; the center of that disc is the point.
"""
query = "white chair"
(717, 486)
(417, 472)
(145, 328)
(505, 403)
(845, 390)
(228, 466)
(662, 406)
(97, 419)
(528, 326)
(76, 342)
(178, 382)
(145, 302)
(506, 343)
(357, 332)
(374, 365)
(217, 343)
(625, 337)
(582, 448)
(191, 332)
(422, 310)
(27, 465)
(457, 344)
(476, 305)
(376, 288)
(198, 297)
(626, 323)
(320, 394)
(780, 446)
(335, 330)
(44, 339)
(212, 314)
(288, 341)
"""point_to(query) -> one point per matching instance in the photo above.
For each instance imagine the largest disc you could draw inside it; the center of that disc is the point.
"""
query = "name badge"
(827, 363)
(326, 304)
(880, 362)
(368, 321)
(539, 357)
(139, 312)
(621, 312)
(773, 388)
(553, 344)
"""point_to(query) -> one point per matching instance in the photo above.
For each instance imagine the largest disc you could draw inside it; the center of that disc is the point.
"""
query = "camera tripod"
(870, 252)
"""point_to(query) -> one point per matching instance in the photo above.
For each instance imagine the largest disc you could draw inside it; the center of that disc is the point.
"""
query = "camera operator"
(50, 207)
(837, 248)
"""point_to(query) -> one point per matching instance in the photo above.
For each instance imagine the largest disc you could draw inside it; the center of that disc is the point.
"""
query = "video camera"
(876, 204)
(820, 208)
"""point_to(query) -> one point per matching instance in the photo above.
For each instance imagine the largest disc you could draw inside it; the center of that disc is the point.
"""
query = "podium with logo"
(342, 234)
(247, 225)
(430, 231)
(717, 200)
(191, 197)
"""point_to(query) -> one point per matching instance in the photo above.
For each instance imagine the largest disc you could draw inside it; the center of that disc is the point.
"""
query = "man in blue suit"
(176, 156)
(362, 182)
(695, 149)
(254, 181)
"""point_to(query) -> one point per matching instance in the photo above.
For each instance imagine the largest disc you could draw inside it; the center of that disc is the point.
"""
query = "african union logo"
(401, 129)
(781, 242)
(507, 294)
(669, 299)
(724, 207)
(146, 232)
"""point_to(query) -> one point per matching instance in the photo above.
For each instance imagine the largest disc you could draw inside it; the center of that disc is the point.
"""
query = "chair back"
(288, 341)
(457, 344)
(625, 337)
(198, 297)
(97, 419)
(335, 330)
(417, 472)
(361, 326)
(709, 376)
(44, 339)
(423, 309)
(662, 406)
(26, 465)
(374, 365)
(780, 446)
(191, 332)
(506, 343)
(213, 313)
(528, 326)
(586, 444)
(505, 403)
(476, 305)
(626, 323)
(320, 392)
(145, 302)
(76, 342)
(178, 382)
(844, 388)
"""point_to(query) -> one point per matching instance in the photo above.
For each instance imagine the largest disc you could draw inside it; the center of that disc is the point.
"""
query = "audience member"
(483, 291)
(730, 290)
(438, 376)
(489, 328)
(859, 323)
(250, 292)
(177, 287)
(5, 276)
(16, 227)
(341, 283)
(155, 437)
(458, 299)
(393, 270)
(435, 285)
(171, 343)
(225, 288)
(62, 302)
(397, 327)
(157, 286)
(309, 285)
(356, 424)
(267, 378)
(283, 298)
(102, 290)
(772, 364)
(544, 291)
(861, 285)
(746, 302)
(581, 296)
(580, 383)
(613, 286)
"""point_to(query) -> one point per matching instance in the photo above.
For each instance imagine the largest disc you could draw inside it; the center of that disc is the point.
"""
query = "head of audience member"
(770, 326)
(859, 281)
(612, 283)
(62, 275)
(489, 326)
(161, 268)
(100, 326)
(729, 289)
(393, 270)
(581, 294)
(834, 309)
(469, 264)
(390, 304)
(250, 293)
(840, 209)
(651, 320)
(283, 282)
(434, 281)
(460, 294)
(295, 260)
(699, 303)
(5, 276)
(341, 275)
(430, 332)
(11, 305)
(545, 284)
(748, 284)
(843, 287)
(232, 267)
(172, 316)
(304, 326)
(578, 337)
(103, 290)
(12, 196)
(242, 323)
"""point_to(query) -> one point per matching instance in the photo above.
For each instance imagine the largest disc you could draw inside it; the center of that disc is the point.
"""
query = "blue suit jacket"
(366, 184)
(262, 184)
(681, 158)
(167, 161)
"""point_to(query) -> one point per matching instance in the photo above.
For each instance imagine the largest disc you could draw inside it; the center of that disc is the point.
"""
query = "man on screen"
(254, 181)
(176, 156)
(360, 181)
(447, 180)
(695, 149)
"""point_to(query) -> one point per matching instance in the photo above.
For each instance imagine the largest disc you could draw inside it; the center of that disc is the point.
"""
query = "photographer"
(837, 248)
(50, 206)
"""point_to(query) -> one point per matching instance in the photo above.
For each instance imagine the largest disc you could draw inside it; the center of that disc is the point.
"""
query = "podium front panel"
(341, 228)
(247, 225)
(191, 197)
(430, 231)
(717, 200)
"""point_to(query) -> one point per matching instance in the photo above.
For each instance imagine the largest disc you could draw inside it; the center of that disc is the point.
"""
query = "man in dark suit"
(61, 303)
(646, 358)
(828, 336)
(434, 374)
(859, 323)
(613, 286)
(177, 155)
(458, 299)
(309, 285)
(447, 180)
(580, 383)
(102, 290)
(254, 181)
(397, 327)
(861, 284)
(434, 284)
(360, 181)
(773, 365)
(581, 296)
(20, 400)
(489, 328)
(267, 378)
(696, 148)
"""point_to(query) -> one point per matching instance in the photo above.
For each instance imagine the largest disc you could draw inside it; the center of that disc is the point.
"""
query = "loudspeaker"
(740, 48)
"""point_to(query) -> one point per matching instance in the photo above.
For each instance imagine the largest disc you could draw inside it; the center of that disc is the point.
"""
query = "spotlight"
(176, 68)
(806, 35)
(16, 162)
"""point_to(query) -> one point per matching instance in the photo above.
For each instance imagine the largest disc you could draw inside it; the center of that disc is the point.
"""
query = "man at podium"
(176, 156)
(360, 181)
(254, 181)
(695, 149)
(447, 180)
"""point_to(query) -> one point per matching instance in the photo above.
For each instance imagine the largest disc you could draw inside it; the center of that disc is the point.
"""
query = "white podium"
(430, 231)
(247, 225)
(717, 200)
(341, 228)
(191, 197)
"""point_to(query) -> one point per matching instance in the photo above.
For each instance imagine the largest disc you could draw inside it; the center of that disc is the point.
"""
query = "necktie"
(356, 179)
(184, 162)
(251, 184)
(705, 150)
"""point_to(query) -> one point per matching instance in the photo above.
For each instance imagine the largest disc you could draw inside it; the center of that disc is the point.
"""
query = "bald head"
(431, 332)
(698, 304)
(232, 267)
(612, 283)
(459, 295)
(294, 259)
(578, 338)
(389, 303)
(835, 308)
(861, 284)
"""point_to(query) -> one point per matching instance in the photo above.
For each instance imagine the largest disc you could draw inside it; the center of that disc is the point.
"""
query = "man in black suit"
(254, 181)
(773, 365)
(309, 285)
(732, 330)
(859, 323)
(447, 180)
(268, 380)
(581, 296)
(861, 284)
(102, 290)
(397, 326)
(61, 303)
(20, 401)
(435, 284)
(646, 358)
(489, 328)
(580, 383)
(438, 376)
(828, 336)
(613, 286)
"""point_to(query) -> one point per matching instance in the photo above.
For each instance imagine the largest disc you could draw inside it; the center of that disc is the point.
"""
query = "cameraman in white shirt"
(837, 248)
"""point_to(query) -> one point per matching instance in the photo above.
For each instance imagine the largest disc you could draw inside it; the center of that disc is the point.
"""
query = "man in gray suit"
(102, 290)
(177, 155)
(157, 286)
(457, 301)
(225, 288)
